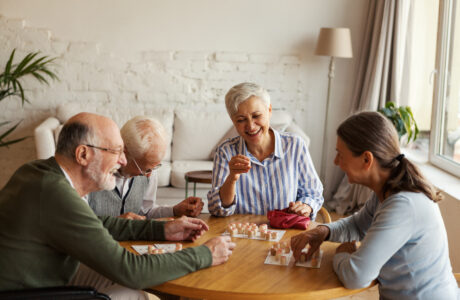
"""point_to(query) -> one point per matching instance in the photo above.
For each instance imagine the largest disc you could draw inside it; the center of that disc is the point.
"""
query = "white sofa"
(194, 134)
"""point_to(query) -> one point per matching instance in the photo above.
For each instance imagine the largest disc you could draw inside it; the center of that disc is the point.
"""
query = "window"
(445, 125)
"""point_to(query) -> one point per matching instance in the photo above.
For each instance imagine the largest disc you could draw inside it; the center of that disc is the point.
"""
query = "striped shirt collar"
(243, 149)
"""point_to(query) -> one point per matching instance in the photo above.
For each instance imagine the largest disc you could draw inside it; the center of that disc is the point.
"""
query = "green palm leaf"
(6, 133)
(9, 63)
(10, 82)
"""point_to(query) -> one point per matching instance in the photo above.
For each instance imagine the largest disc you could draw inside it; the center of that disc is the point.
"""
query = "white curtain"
(379, 80)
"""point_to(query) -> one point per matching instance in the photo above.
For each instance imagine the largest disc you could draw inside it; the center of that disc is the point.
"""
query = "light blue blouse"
(403, 245)
(287, 175)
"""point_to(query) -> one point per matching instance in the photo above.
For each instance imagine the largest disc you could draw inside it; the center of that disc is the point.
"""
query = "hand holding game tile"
(190, 206)
(185, 228)
(221, 248)
(314, 238)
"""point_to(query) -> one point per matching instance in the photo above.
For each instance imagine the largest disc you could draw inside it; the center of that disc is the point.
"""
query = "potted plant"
(403, 120)
(10, 84)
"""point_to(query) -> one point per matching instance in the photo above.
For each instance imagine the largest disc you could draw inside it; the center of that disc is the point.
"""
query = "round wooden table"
(245, 276)
(202, 176)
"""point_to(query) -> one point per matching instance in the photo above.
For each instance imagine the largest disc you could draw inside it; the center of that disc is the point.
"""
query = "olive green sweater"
(46, 229)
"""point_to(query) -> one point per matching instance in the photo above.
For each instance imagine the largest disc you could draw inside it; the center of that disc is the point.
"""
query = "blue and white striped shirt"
(287, 175)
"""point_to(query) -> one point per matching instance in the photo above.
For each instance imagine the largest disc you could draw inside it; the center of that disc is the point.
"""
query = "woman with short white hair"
(261, 169)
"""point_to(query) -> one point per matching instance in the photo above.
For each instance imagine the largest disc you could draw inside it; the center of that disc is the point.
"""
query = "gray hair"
(242, 92)
(144, 136)
(71, 136)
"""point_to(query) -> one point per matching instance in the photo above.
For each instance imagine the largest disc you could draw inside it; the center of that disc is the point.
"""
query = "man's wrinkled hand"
(191, 207)
(221, 248)
(131, 216)
(348, 247)
(300, 208)
(185, 229)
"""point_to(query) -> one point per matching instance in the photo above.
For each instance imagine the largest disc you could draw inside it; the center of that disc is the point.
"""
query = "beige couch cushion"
(197, 132)
(164, 174)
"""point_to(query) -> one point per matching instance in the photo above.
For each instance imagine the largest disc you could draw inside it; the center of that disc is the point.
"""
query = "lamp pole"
(325, 146)
(332, 42)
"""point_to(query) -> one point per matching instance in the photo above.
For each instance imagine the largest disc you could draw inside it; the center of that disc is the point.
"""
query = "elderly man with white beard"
(49, 236)
(134, 196)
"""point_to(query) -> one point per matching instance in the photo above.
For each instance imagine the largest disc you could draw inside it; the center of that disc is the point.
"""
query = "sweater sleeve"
(353, 228)
(71, 228)
(390, 230)
(127, 230)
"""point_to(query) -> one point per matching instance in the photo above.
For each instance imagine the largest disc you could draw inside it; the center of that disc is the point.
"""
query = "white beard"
(104, 181)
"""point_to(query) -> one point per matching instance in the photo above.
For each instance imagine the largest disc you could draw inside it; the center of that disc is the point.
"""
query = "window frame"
(440, 89)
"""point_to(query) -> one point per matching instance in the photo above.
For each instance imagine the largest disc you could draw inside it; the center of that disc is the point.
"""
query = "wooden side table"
(203, 176)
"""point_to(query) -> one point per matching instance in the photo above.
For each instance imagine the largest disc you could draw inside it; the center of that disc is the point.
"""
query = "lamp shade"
(334, 42)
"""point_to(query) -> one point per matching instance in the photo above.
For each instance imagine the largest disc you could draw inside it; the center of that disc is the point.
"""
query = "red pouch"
(283, 219)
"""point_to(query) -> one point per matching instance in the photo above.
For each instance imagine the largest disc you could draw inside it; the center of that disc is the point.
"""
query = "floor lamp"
(333, 42)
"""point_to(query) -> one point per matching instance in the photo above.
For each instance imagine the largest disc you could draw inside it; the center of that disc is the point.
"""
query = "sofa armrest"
(45, 145)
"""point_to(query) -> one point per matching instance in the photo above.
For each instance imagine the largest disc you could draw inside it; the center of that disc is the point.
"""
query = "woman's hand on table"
(238, 165)
(300, 208)
(348, 247)
(221, 248)
(314, 238)
(185, 228)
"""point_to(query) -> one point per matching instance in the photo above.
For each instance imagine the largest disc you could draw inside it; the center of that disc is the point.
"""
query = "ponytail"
(371, 131)
(407, 177)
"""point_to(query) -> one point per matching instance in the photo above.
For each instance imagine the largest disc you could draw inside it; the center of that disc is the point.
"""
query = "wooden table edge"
(171, 288)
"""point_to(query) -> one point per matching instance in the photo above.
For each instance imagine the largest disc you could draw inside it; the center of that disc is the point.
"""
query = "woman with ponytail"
(403, 241)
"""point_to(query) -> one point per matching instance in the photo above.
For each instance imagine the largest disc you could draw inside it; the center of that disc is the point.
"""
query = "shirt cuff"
(215, 205)
(315, 206)
(161, 212)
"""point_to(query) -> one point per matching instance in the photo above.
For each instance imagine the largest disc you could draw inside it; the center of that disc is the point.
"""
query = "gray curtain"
(379, 80)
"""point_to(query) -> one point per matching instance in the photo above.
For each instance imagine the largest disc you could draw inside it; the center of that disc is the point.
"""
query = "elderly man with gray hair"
(134, 196)
(57, 240)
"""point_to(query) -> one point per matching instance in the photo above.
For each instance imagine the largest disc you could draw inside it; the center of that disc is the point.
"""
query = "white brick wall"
(92, 75)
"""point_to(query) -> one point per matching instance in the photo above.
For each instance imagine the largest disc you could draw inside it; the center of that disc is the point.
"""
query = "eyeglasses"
(147, 172)
(113, 151)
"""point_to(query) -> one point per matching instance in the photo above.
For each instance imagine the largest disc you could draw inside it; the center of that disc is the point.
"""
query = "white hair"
(242, 92)
(144, 136)
(104, 181)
